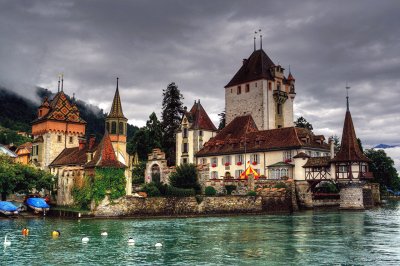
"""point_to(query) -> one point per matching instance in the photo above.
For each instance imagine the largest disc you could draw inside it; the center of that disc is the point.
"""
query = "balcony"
(280, 96)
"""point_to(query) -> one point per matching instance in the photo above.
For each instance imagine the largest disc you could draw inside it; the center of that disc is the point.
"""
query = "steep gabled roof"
(349, 149)
(70, 156)
(257, 66)
(61, 109)
(116, 107)
(104, 155)
(199, 118)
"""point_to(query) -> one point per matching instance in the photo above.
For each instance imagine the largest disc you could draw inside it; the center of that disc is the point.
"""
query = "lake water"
(305, 238)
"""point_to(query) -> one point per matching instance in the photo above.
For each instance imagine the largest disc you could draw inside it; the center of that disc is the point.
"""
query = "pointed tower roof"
(116, 107)
(290, 77)
(349, 150)
(199, 118)
(105, 155)
(256, 67)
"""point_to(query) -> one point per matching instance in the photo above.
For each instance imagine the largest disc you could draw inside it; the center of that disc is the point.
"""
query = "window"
(254, 158)
(317, 154)
(201, 133)
(108, 126)
(239, 90)
(342, 168)
(279, 108)
(59, 138)
(214, 161)
(214, 174)
(247, 88)
(121, 128)
(256, 84)
(71, 140)
(269, 86)
(238, 173)
(239, 159)
(278, 173)
(113, 127)
(35, 150)
(226, 160)
(185, 132)
(278, 86)
(200, 144)
(203, 160)
(287, 156)
(185, 147)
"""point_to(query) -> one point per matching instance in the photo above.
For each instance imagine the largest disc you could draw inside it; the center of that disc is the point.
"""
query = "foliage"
(229, 189)
(280, 185)
(210, 191)
(138, 173)
(15, 177)
(146, 138)
(108, 180)
(8, 136)
(222, 120)
(83, 195)
(336, 141)
(302, 122)
(151, 189)
(252, 193)
(179, 192)
(382, 167)
(327, 187)
(185, 177)
(172, 112)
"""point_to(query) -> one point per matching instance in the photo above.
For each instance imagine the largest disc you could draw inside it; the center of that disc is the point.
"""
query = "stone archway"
(155, 173)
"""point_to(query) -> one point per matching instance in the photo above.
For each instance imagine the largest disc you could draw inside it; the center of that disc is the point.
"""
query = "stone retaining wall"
(172, 206)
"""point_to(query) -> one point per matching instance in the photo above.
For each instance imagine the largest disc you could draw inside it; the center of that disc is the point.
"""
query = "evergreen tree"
(155, 131)
(222, 120)
(172, 111)
(302, 122)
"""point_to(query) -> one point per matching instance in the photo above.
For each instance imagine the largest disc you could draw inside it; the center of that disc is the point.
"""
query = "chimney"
(92, 140)
(82, 144)
(244, 61)
(332, 147)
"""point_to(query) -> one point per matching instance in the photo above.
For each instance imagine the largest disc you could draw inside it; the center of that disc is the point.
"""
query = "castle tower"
(58, 126)
(116, 125)
(261, 89)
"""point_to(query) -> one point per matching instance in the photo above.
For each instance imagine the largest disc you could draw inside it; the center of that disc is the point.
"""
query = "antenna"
(260, 39)
(58, 88)
(347, 96)
(255, 33)
(62, 82)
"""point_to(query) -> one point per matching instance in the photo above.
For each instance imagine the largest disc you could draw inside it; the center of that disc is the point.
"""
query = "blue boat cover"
(7, 206)
(37, 203)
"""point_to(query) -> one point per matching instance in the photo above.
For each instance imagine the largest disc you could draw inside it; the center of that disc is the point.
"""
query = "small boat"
(37, 205)
(7, 208)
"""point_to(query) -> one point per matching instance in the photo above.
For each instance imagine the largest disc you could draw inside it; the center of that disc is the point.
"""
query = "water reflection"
(311, 237)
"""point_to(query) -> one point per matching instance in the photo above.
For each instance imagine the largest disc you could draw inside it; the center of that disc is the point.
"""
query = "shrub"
(229, 189)
(210, 191)
(179, 192)
(280, 185)
(151, 189)
(252, 193)
(185, 177)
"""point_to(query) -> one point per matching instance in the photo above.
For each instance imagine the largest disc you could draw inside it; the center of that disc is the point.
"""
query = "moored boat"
(37, 204)
(7, 208)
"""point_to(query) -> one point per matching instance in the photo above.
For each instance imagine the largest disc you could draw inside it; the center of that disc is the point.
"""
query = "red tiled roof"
(104, 155)
(199, 118)
(61, 110)
(349, 150)
(70, 156)
(257, 66)
(318, 162)
(243, 130)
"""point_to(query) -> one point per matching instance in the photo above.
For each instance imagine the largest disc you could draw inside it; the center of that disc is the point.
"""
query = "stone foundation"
(352, 197)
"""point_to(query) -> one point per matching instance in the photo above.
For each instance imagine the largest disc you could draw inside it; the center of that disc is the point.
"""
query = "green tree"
(336, 141)
(222, 120)
(155, 132)
(138, 173)
(302, 122)
(8, 136)
(185, 177)
(172, 111)
(382, 167)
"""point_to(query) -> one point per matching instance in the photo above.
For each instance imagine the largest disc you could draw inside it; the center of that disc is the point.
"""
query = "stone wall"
(171, 206)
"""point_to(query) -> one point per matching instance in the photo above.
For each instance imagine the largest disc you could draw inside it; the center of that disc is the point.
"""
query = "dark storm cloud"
(200, 45)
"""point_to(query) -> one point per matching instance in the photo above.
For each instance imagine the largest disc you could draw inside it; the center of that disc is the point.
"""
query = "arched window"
(113, 127)
(121, 128)
(108, 126)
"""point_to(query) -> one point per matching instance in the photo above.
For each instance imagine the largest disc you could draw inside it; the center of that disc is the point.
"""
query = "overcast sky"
(200, 45)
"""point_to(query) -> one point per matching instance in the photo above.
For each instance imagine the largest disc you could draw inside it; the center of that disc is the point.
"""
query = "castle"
(60, 145)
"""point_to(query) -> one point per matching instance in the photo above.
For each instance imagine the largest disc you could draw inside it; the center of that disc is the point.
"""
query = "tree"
(155, 131)
(382, 167)
(222, 120)
(185, 177)
(172, 112)
(15, 177)
(138, 173)
(302, 122)
(336, 141)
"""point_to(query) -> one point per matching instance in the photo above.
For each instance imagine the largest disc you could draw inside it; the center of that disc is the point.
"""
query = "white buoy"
(158, 245)
(104, 233)
(131, 241)
(85, 239)
(6, 242)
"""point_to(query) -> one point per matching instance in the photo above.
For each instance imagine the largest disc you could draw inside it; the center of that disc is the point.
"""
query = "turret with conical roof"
(116, 125)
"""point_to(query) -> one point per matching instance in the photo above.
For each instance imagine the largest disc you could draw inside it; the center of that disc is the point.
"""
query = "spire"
(260, 39)
(116, 107)
(255, 40)
(347, 97)
(58, 88)
(62, 82)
